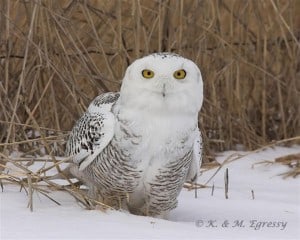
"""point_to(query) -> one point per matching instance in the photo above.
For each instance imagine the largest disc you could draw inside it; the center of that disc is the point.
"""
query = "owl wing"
(197, 158)
(93, 131)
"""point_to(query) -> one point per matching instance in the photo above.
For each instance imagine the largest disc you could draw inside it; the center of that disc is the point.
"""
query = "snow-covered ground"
(274, 213)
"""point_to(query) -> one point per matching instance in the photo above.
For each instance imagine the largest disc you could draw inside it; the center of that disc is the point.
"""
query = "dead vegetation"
(56, 56)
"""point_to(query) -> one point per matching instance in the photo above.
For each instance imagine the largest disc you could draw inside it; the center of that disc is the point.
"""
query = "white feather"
(98, 120)
(108, 131)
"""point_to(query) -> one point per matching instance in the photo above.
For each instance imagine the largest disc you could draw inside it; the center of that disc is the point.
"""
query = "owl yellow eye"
(179, 74)
(147, 73)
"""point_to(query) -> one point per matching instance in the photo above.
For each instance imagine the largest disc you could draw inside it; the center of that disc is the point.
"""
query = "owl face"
(163, 82)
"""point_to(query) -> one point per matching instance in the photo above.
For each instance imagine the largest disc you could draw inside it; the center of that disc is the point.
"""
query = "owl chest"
(140, 154)
(161, 153)
(156, 142)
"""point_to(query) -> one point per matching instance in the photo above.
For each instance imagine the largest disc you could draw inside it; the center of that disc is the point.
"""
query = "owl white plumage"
(136, 148)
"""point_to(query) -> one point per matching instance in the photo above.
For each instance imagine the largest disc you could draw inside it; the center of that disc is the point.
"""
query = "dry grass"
(56, 56)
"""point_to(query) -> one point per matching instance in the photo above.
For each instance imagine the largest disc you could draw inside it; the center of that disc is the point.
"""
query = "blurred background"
(56, 56)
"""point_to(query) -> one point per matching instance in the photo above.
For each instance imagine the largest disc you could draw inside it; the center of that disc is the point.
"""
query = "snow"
(274, 213)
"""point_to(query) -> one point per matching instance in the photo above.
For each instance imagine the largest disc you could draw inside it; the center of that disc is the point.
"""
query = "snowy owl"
(136, 148)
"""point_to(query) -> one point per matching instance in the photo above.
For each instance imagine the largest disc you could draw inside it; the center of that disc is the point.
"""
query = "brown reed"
(56, 56)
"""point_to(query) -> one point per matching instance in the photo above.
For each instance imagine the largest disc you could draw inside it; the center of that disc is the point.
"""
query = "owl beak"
(164, 90)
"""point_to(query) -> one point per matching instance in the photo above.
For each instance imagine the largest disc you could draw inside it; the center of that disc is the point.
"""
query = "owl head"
(163, 83)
